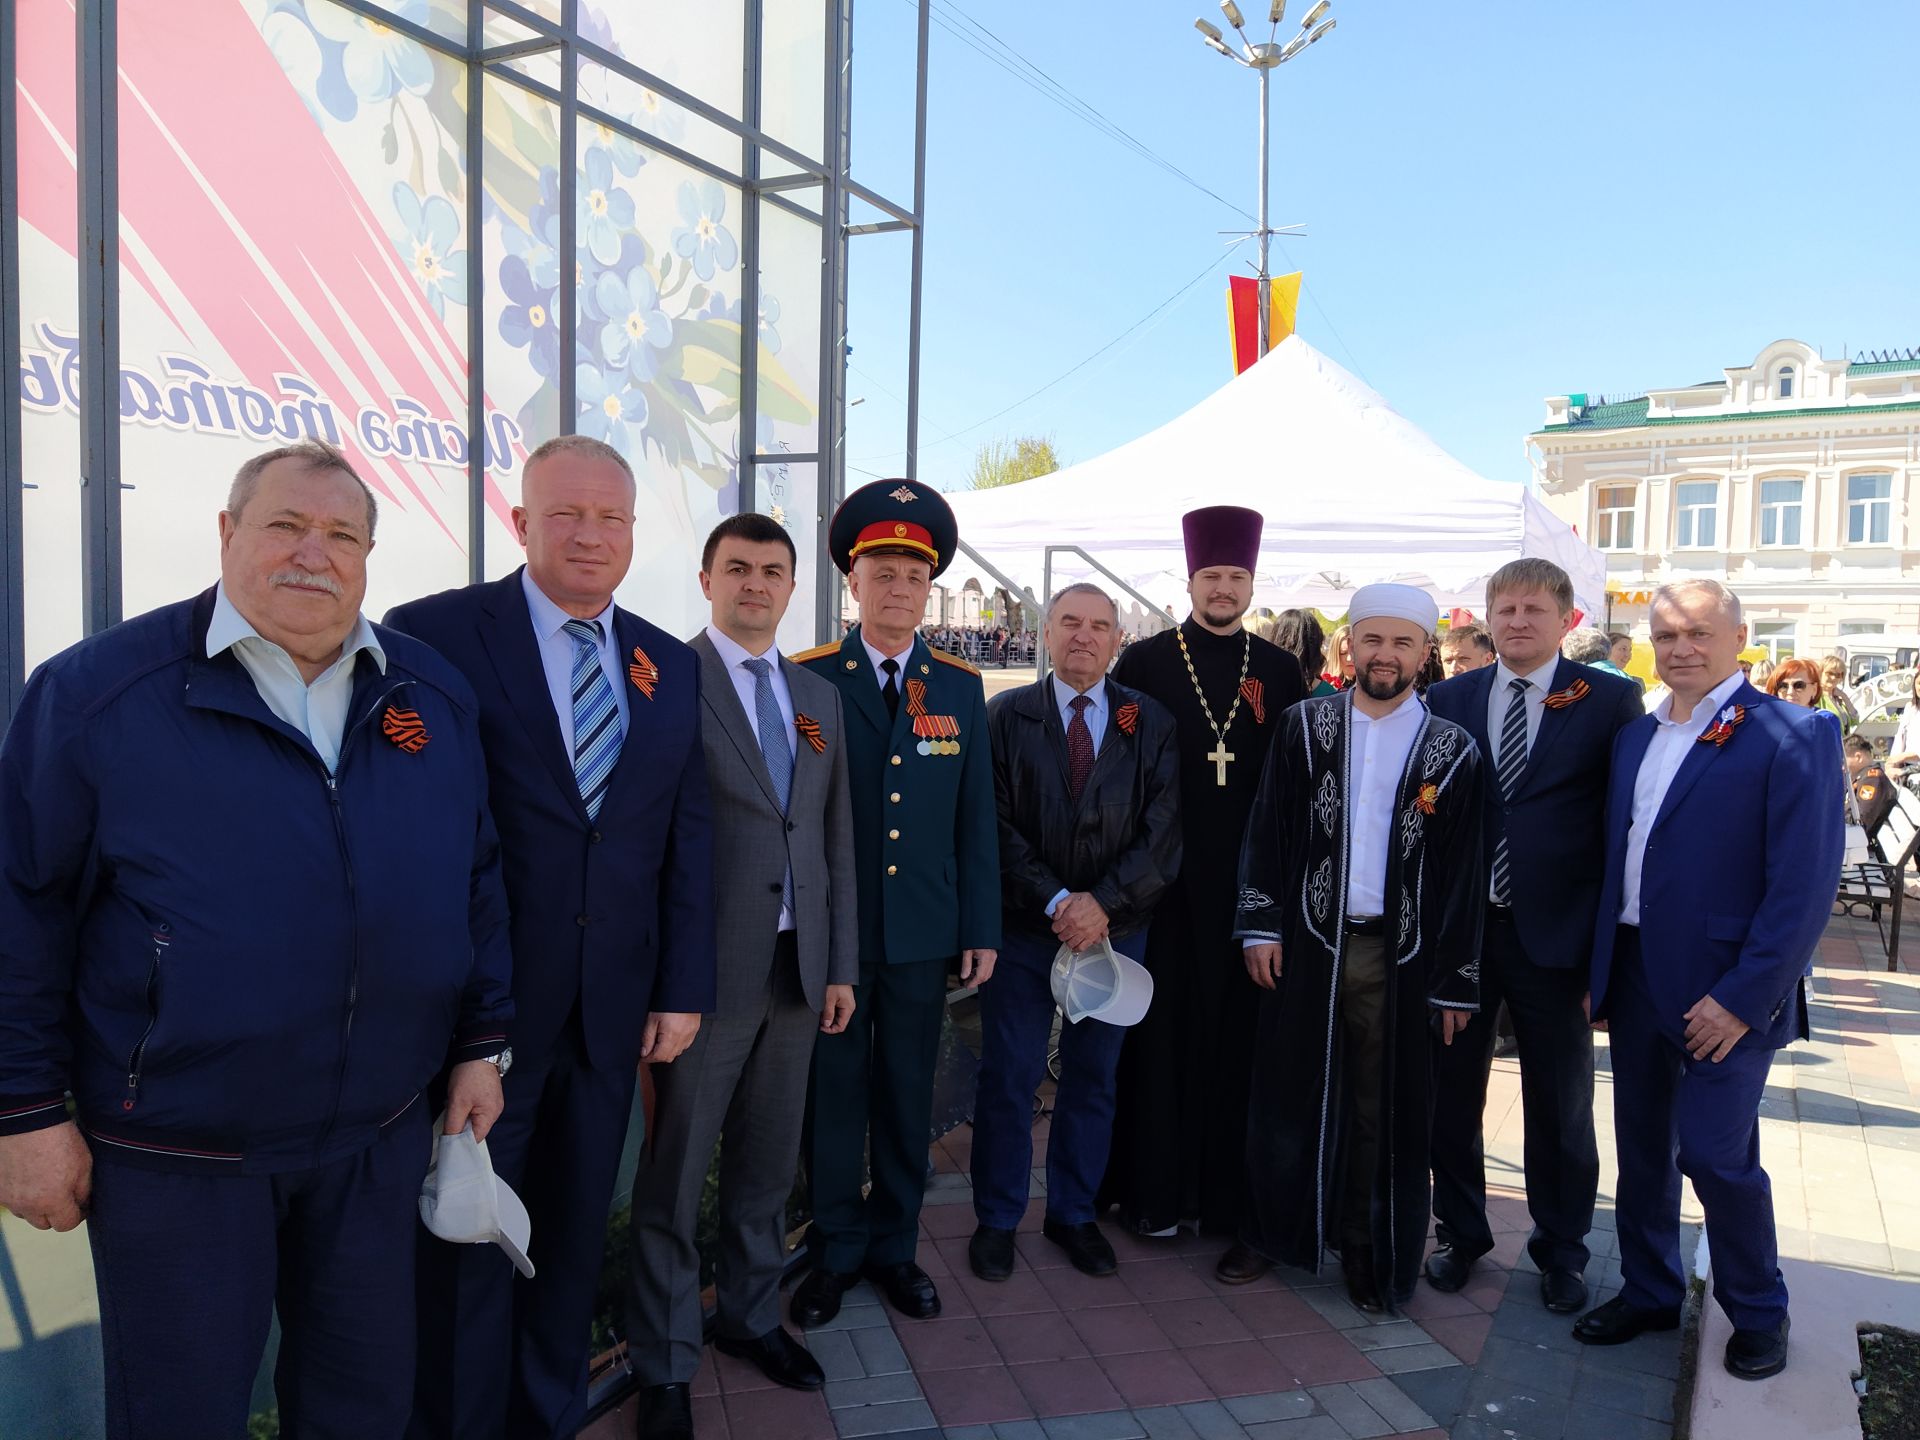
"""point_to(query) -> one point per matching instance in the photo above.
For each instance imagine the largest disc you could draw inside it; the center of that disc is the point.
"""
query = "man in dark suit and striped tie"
(597, 780)
(1548, 725)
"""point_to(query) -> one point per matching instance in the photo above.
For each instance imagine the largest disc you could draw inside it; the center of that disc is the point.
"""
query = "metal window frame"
(97, 164)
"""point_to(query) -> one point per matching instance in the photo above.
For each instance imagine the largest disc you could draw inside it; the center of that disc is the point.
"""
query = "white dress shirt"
(318, 711)
(556, 657)
(1096, 712)
(1539, 682)
(734, 656)
(1376, 759)
(879, 657)
(1666, 752)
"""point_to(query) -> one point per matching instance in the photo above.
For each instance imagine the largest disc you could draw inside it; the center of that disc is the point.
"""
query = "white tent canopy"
(1351, 490)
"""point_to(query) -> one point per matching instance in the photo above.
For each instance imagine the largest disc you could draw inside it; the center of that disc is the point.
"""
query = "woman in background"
(1795, 681)
(1298, 633)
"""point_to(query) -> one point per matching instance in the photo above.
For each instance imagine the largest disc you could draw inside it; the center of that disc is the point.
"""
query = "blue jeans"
(1016, 1014)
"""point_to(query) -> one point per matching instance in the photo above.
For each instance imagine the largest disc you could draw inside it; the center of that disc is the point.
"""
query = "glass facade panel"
(793, 74)
(695, 48)
(788, 382)
(789, 491)
(657, 117)
(1695, 513)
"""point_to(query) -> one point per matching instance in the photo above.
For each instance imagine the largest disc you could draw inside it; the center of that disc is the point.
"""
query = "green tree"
(1008, 462)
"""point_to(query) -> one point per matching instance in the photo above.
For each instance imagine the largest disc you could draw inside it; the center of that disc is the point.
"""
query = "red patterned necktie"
(1079, 747)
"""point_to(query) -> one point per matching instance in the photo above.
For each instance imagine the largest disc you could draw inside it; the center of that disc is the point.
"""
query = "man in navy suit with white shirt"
(597, 780)
(1545, 727)
(1724, 838)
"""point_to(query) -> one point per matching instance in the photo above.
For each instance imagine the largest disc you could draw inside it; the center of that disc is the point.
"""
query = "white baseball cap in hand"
(463, 1201)
(1099, 983)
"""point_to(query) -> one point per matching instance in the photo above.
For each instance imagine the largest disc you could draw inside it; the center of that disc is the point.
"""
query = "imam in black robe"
(1293, 887)
(1180, 1124)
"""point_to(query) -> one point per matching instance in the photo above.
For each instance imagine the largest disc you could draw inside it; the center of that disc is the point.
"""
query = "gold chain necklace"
(1219, 755)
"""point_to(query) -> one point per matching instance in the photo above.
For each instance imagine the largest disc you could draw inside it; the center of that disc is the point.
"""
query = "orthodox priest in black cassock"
(1179, 1137)
(1363, 860)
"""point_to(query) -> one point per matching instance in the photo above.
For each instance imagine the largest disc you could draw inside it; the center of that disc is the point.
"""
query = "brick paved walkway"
(1164, 1351)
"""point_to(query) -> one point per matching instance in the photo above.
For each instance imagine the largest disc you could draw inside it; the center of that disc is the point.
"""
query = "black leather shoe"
(907, 1289)
(1756, 1354)
(1617, 1322)
(818, 1299)
(666, 1413)
(781, 1358)
(1241, 1265)
(1448, 1269)
(1356, 1262)
(1086, 1247)
(990, 1253)
(1562, 1291)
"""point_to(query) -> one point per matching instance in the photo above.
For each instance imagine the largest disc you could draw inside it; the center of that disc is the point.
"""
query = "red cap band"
(895, 535)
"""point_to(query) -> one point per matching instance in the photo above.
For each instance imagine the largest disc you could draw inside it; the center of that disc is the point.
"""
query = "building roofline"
(1823, 411)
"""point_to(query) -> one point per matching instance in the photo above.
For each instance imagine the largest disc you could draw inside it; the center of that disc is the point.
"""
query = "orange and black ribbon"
(809, 729)
(643, 673)
(1256, 696)
(1723, 726)
(1425, 801)
(1572, 695)
(1127, 717)
(405, 729)
(928, 727)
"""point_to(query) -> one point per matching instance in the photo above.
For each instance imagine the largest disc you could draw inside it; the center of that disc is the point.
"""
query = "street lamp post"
(1263, 58)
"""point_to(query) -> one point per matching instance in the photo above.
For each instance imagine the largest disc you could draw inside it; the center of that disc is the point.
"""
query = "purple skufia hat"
(1222, 535)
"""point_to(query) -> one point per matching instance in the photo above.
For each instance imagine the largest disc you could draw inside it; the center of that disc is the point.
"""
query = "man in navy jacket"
(591, 721)
(1724, 838)
(1545, 729)
(250, 904)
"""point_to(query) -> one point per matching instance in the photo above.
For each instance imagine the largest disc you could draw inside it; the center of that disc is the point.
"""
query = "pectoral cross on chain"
(1221, 758)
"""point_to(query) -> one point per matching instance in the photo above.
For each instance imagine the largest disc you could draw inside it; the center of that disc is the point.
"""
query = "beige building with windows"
(1796, 480)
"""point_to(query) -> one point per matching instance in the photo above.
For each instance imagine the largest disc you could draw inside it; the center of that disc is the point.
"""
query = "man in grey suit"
(789, 954)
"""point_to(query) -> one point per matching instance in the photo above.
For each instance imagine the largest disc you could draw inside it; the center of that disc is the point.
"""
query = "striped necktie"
(596, 719)
(1512, 761)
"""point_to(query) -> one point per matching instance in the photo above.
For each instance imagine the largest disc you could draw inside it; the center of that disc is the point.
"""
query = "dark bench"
(1878, 887)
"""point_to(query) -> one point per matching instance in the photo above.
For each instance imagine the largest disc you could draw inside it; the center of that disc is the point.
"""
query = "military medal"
(1219, 755)
(939, 734)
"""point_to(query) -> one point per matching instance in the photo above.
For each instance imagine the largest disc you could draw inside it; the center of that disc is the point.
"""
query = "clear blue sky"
(1503, 201)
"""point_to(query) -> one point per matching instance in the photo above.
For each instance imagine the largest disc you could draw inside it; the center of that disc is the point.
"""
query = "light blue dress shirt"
(1063, 697)
(734, 656)
(318, 711)
(556, 657)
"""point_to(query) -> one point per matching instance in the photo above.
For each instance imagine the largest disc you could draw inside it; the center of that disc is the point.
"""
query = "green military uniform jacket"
(926, 840)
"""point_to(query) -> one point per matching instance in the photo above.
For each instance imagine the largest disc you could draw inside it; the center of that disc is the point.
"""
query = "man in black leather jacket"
(1086, 782)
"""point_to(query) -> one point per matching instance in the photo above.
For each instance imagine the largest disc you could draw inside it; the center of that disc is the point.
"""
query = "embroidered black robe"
(1180, 1123)
(1293, 888)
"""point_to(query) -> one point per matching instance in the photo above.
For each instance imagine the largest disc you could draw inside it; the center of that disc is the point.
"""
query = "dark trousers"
(873, 1090)
(191, 1269)
(1016, 1019)
(501, 1355)
(744, 1077)
(1562, 1157)
(1363, 1074)
(1674, 1115)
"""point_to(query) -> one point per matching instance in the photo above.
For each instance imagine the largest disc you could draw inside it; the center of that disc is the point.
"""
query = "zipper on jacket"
(139, 1055)
(353, 906)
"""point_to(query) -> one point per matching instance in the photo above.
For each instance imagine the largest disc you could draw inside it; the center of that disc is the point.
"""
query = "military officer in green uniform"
(927, 853)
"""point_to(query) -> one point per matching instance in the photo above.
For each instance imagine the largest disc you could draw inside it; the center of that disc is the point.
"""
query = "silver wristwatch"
(502, 1062)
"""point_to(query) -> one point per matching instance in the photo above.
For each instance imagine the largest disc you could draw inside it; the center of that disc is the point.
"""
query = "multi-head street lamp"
(1263, 57)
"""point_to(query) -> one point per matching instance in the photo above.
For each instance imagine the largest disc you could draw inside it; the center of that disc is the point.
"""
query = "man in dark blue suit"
(1545, 727)
(1724, 804)
(597, 780)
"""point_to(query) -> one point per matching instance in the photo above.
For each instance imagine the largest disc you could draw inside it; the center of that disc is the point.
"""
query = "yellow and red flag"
(1243, 315)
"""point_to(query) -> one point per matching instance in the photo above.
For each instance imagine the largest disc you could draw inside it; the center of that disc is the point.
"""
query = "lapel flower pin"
(1724, 724)
(1127, 717)
(405, 729)
(1572, 695)
(643, 673)
(809, 729)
